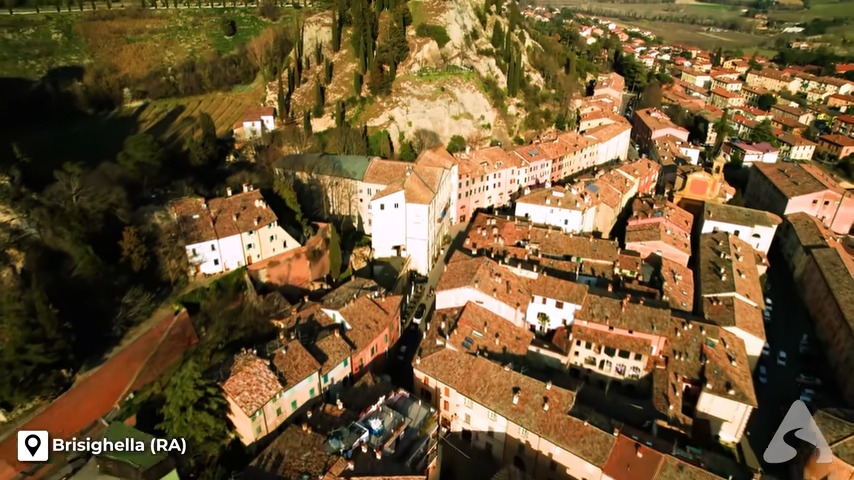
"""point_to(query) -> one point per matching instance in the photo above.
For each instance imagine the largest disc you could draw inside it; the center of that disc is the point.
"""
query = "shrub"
(435, 32)
(269, 10)
(229, 27)
(456, 144)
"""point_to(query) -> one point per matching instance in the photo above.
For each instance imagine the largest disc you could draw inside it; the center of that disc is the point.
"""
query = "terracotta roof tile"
(733, 312)
(495, 390)
(722, 212)
(251, 383)
(368, 317)
(631, 460)
(794, 180)
(488, 332)
(726, 265)
(194, 219)
(643, 234)
(809, 230)
(294, 363)
(558, 197)
(557, 289)
(292, 454)
(332, 350)
(674, 469)
(621, 313)
(385, 172)
(487, 276)
(678, 284)
(240, 213)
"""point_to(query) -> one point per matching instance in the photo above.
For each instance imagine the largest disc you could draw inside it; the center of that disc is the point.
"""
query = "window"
(248, 246)
(346, 362)
(373, 350)
(213, 247)
(588, 345)
(447, 406)
(251, 232)
(490, 432)
(216, 262)
(447, 392)
(467, 419)
(815, 202)
(737, 233)
(256, 414)
(312, 392)
(361, 363)
(610, 351)
(326, 378)
(385, 338)
(620, 369)
(624, 354)
(272, 238)
(258, 430)
(826, 203)
(382, 206)
(194, 252)
(544, 300)
(396, 205)
(523, 433)
(468, 403)
(578, 343)
(605, 365)
(492, 416)
(279, 412)
(634, 373)
(294, 405)
(638, 356)
(559, 305)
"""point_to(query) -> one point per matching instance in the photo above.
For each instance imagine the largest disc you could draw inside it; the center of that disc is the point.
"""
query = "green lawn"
(818, 9)
(30, 45)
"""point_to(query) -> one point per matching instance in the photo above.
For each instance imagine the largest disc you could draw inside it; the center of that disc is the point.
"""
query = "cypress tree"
(336, 32)
(357, 83)
(497, 35)
(319, 101)
(327, 71)
(318, 53)
(291, 81)
(340, 115)
(280, 100)
(386, 147)
(306, 122)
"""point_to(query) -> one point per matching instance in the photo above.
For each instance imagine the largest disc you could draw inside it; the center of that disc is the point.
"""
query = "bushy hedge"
(436, 32)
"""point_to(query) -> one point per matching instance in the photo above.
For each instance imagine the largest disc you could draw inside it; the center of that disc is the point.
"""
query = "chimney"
(364, 448)
(257, 221)
(304, 427)
(468, 149)
(549, 385)
(227, 191)
(616, 431)
(418, 360)
(337, 332)
(515, 399)
(246, 187)
(379, 453)
(234, 217)
(638, 450)
(546, 404)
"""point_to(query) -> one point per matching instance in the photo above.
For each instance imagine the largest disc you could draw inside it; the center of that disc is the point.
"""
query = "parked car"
(781, 358)
(419, 314)
(766, 315)
(804, 346)
(805, 398)
(808, 380)
(808, 392)
(763, 374)
(769, 305)
(766, 350)
(401, 354)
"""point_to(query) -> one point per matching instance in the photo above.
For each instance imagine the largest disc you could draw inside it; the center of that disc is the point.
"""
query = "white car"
(804, 346)
(766, 315)
(419, 314)
(766, 350)
(401, 354)
(763, 374)
(769, 305)
(781, 358)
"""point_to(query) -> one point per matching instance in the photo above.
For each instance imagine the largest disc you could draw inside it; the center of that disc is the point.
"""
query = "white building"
(755, 227)
(566, 209)
(554, 302)
(230, 232)
(750, 153)
(255, 123)
(613, 139)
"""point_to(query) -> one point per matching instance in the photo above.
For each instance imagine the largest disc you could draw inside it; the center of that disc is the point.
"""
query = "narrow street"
(789, 322)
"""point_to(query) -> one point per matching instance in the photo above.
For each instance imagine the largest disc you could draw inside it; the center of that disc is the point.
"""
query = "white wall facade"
(569, 220)
(458, 297)
(616, 147)
(728, 417)
(231, 250)
(274, 240)
(559, 313)
(757, 236)
(388, 217)
(420, 224)
(334, 378)
(205, 257)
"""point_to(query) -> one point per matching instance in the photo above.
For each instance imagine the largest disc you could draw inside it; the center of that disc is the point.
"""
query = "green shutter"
(294, 405)
(311, 392)
(279, 412)
(346, 362)
(326, 378)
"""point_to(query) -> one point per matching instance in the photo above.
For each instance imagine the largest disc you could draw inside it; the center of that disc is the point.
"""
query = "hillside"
(437, 92)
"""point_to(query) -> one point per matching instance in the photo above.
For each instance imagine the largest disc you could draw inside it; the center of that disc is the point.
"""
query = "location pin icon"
(33, 442)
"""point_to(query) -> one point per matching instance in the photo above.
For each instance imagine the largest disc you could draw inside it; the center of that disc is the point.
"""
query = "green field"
(133, 41)
(817, 9)
(694, 35)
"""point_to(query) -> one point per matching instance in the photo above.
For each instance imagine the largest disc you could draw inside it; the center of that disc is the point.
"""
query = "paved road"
(790, 321)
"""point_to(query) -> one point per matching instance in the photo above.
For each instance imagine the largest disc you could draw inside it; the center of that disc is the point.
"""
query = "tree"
(172, 262)
(766, 101)
(37, 342)
(327, 71)
(204, 149)
(407, 152)
(136, 305)
(335, 258)
(497, 35)
(722, 130)
(318, 53)
(134, 250)
(195, 410)
(281, 100)
(284, 188)
(763, 133)
(386, 148)
(357, 83)
(651, 96)
(306, 122)
(336, 32)
(319, 100)
(456, 144)
(141, 153)
(229, 27)
(269, 9)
